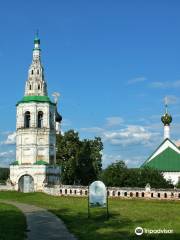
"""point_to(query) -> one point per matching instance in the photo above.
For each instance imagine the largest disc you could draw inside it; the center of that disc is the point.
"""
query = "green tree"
(154, 177)
(89, 161)
(4, 174)
(68, 147)
(115, 174)
(118, 175)
(80, 160)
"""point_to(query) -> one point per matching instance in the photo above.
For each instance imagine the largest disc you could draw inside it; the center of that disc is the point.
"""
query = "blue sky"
(112, 61)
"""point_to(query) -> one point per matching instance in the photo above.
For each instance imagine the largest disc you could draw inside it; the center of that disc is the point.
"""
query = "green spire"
(36, 39)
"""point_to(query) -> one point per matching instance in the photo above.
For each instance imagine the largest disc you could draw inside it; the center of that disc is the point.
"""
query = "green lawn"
(125, 216)
(12, 223)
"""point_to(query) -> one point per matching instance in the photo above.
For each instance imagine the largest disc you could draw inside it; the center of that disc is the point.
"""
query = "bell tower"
(36, 122)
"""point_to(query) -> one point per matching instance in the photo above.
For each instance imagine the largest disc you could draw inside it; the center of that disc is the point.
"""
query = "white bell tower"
(36, 121)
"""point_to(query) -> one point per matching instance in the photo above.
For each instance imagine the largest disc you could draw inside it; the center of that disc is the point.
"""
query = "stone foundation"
(41, 175)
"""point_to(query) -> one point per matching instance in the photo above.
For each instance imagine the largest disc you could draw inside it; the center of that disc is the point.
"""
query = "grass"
(12, 223)
(125, 216)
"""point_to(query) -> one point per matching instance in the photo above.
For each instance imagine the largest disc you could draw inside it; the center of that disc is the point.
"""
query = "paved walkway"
(41, 224)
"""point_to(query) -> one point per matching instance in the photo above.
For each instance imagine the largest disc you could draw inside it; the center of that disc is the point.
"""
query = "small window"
(125, 194)
(65, 191)
(51, 122)
(38, 86)
(37, 71)
(119, 193)
(152, 195)
(137, 194)
(142, 194)
(30, 87)
(27, 119)
(40, 119)
(159, 195)
(165, 195)
(131, 194)
(32, 72)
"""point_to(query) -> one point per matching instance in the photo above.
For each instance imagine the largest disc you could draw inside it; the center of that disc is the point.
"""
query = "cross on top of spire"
(166, 104)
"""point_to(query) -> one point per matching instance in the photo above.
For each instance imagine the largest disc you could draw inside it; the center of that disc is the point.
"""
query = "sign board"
(97, 194)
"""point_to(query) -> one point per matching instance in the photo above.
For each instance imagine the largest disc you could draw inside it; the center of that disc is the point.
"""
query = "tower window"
(27, 119)
(32, 72)
(30, 87)
(37, 71)
(38, 86)
(40, 119)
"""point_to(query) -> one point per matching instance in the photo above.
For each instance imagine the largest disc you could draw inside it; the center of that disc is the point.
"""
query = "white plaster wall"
(33, 144)
(173, 176)
(40, 174)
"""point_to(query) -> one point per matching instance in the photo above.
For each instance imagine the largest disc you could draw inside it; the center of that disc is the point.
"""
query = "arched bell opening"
(27, 119)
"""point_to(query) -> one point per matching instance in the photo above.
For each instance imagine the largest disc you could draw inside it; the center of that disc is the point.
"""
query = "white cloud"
(92, 129)
(137, 80)
(166, 84)
(114, 121)
(171, 99)
(6, 154)
(6, 158)
(132, 134)
(134, 161)
(11, 139)
(107, 159)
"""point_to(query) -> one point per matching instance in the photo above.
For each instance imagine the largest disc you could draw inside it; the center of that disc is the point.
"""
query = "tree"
(115, 174)
(4, 174)
(118, 175)
(89, 161)
(68, 147)
(154, 177)
(80, 160)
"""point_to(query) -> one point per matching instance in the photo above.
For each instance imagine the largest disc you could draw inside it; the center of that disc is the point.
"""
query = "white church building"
(166, 158)
(37, 122)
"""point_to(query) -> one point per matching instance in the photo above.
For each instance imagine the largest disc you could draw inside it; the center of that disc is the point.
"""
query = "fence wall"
(67, 190)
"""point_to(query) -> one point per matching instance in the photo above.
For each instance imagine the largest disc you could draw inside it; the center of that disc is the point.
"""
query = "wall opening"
(27, 119)
(40, 119)
(26, 184)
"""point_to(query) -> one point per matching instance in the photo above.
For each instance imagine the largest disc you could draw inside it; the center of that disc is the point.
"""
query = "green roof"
(35, 99)
(166, 161)
(41, 162)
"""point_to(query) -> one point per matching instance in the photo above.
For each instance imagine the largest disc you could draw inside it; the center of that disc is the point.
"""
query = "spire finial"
(37, 34)
(37, 40)
(166, 104)
(56, 96)
(166, 118)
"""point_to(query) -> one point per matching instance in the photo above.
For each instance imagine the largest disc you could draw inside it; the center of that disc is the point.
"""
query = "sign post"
(97, 197)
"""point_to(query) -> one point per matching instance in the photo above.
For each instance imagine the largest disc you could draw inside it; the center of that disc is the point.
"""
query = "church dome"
(58, 117)
(166, 119)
